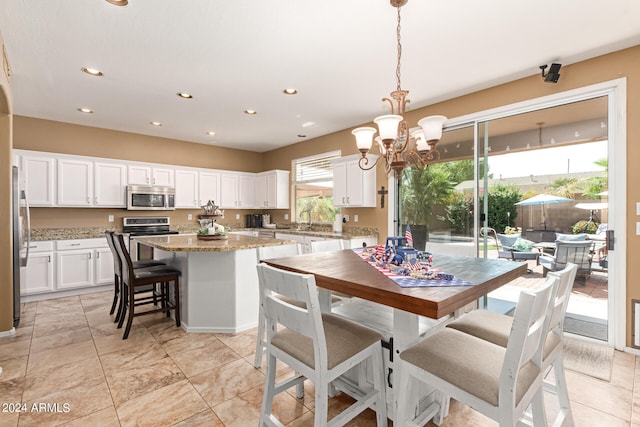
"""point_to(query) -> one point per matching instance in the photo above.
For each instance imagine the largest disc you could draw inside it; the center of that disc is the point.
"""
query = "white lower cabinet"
(75, 268)
(67, 265)
(37, 277)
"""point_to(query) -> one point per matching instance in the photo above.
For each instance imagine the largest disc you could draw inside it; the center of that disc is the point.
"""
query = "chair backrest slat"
(124, 256)
(306, 320)
(280, 251)
(327, 245)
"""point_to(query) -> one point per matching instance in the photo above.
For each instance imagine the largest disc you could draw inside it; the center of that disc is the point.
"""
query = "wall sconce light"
(554, 73)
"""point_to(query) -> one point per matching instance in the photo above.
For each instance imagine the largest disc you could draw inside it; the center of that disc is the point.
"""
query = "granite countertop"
(190, 243)
(42, 234)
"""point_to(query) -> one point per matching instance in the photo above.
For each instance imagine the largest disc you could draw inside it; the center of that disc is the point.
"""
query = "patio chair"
(508, 248)
(576, 252)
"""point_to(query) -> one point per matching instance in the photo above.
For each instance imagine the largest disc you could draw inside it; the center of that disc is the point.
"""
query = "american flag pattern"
(409, 275)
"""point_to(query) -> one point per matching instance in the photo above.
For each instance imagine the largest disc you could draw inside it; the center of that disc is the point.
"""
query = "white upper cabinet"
(352, 186)
(209, 187)
(75, 182)
(272, 190)
(236, 190)
(110, 180)
(150, 175)
(187, 188)
(39, 174)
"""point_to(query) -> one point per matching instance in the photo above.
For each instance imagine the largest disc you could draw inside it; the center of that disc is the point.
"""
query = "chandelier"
(398, 145)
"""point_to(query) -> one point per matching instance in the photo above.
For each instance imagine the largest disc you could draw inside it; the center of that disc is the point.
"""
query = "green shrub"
(583, 226)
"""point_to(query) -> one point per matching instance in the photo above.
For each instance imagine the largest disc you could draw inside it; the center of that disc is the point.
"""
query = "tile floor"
(68, 354)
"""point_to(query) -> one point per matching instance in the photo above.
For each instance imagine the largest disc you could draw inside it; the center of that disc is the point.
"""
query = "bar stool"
(117, 272)
(133, 279)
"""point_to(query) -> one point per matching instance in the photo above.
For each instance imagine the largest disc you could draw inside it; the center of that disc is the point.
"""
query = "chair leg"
(269, 391)
(116, 291)
(131, 305)
(537, 408)
(124, 302)
(322, 401)
(379, 384)
(176, 300)
(562, 392)
(257, 361)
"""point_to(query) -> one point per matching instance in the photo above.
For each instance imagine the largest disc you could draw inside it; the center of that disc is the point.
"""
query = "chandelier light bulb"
(421, 143)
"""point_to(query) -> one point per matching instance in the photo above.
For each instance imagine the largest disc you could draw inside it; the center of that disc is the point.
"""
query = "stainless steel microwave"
(150, 198)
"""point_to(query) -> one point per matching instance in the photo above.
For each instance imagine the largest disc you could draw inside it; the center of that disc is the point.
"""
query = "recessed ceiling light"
(155, 123)
(91, 71)
(118, 2)
(211, 133)
(185, 95)
(290, 91)
(250, 112)
(85, 110)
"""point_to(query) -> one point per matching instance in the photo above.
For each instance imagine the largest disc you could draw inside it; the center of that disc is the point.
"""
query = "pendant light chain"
(399, 51)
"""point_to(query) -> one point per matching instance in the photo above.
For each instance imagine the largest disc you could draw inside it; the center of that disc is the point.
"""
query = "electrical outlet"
(355, 218)
(637, 208)
(286, 217)
(189, 217)
(637, 228)
(237, 216)
(110, 218)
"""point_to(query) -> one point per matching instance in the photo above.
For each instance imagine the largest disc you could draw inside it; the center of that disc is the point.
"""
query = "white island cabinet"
(219, 281)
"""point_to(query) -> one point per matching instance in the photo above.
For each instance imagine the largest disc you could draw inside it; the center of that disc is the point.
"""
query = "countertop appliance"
(21, 223)
(253, 221)
(144, 226)
(150, 198)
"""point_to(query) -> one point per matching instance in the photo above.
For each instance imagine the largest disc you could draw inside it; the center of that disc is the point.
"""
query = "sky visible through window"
(558, 160)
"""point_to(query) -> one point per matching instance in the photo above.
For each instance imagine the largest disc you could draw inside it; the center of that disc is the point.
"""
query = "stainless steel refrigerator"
(21, 238)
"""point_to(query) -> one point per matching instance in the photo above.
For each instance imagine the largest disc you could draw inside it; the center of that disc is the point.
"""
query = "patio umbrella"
(543, 199)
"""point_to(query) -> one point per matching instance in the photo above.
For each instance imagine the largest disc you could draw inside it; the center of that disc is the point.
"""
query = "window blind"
(314, 169)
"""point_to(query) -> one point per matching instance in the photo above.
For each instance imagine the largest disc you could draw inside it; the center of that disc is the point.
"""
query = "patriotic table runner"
(401, 276)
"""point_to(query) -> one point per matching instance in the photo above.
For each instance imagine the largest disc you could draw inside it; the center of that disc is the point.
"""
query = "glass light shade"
(432, 127)
(364, 137)
(388, 125)
(421, 143)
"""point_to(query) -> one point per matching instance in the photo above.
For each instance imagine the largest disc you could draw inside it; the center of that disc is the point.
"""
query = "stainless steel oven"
(150, 198)
(141, 227)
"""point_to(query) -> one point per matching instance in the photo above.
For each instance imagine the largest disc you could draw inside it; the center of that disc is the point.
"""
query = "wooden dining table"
(346, 272)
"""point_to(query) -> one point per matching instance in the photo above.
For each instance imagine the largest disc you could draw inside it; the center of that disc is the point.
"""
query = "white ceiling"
(240, 54)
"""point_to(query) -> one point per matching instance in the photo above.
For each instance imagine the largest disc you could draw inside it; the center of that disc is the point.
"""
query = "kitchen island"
(219, 282)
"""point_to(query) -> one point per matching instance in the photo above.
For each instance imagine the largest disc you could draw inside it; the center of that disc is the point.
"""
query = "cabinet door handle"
(49, 258)
(343, 200)
(74, 244)
(88, 200)
(89, 255)
(348, 200)
(147, 180)
(97, 255)
(95, 200)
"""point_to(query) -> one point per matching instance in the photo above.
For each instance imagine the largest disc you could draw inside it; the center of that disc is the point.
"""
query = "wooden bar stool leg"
(124, 301)
(131, 304)
(176, 299)
(116, 292)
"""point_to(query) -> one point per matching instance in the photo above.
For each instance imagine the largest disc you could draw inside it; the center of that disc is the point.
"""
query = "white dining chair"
(266, 252)
(317, 346)
(495, 327)
(499, 382)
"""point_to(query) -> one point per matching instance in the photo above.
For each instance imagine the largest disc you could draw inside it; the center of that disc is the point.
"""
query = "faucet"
(308, 212)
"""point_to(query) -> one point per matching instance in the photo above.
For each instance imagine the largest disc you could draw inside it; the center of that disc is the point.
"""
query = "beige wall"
(43, 135)
(6, 239)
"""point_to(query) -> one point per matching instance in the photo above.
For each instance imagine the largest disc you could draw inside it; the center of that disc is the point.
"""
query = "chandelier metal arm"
(364, 162)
